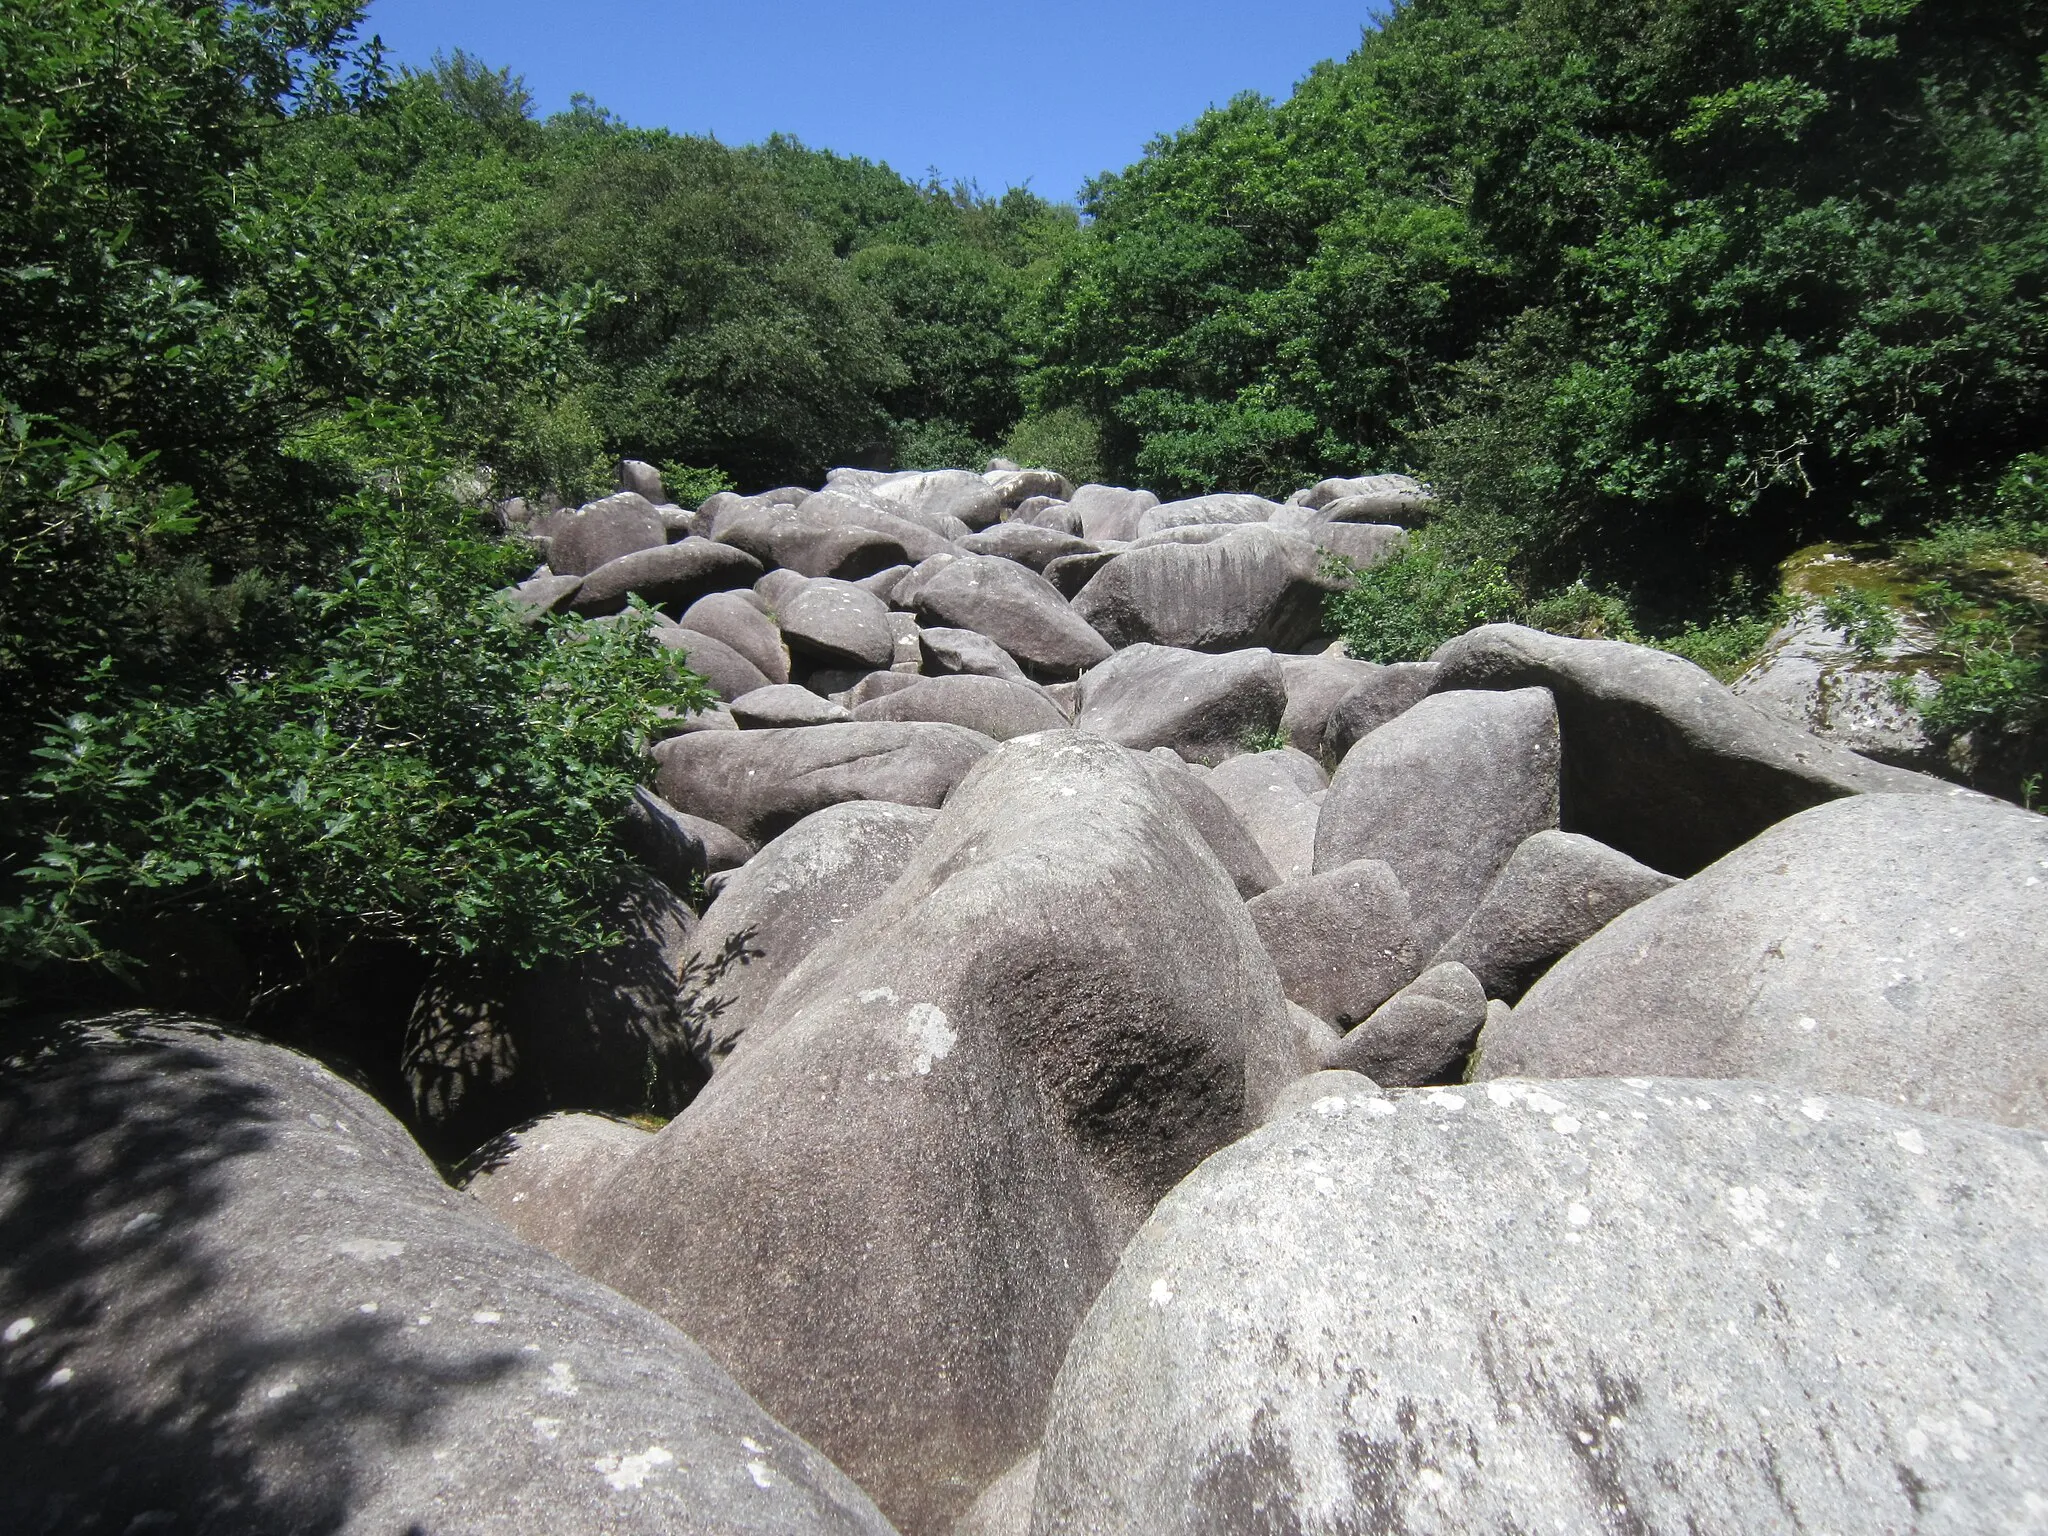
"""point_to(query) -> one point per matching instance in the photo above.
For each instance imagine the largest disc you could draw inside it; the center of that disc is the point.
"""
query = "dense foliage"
(1663, 287)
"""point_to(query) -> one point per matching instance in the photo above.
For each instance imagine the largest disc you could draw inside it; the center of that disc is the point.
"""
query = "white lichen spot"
(368, 1309)
(749, 1443)
(1162, 1294)
(487, 1319)
(1543, 1104)
(61, 1376)
(1910, 1140)
(281, 1390)
(878, 995)
(1808, 1025)
(1379, 1106)
(1432, 1480)
(548, 1429)
(368, 1249)
(1501, 1095)
(18, 1330)
(1325, 1185)
(423, 1320)
(628, 1472)
(1579, 1215)
(1450, 1101)
(1565, 1125)
(1980, 1413)
(561, 1380)
(1637, 1083)
(931, 1037)
(1814, 1109)
(1333, 1105)
(140, 1222)
(758, 1470)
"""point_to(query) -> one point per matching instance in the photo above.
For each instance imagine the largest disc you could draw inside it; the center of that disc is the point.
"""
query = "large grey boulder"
(997, 708)
(1110, 511)
(602, 532)
(1004, 1506)
(828, 536)
(1887, 945)
(1584, 1307)
(836, 624)
(1069, 574)
(1204, 512)
(1254, 586)
(736, 621)
(538, 596)
(904, 593)
(1445, 794)
(538, 1178)
(783, 705)
(1025, 543)
(1661, 761)
(1558, 890)
(1343, 942)
(1364, 545)
(761, 783)
(1016, 486)
(1270, 792)
(728, 672)
(1316, 685)
(940, 497)
(680, 851)
(1049, 1019)
(1381, 694)
(240, 1299)
(1812, 676)
(1391, 489)
(1042, 512)
(962, 652)
(1250, 871)
(1207, 708)
(487, 1047)
(673, 575)
(1422, 1034)
(643, 479)
(793, 895)
(1015, 607)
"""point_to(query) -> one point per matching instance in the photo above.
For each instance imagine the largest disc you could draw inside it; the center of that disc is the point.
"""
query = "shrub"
(1404, 608)
(1067, 440)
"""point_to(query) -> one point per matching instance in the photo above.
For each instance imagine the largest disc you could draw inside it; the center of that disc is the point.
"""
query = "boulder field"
(1083, 1056)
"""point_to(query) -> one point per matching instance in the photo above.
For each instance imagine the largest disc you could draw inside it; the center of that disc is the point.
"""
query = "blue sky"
(1002, 93)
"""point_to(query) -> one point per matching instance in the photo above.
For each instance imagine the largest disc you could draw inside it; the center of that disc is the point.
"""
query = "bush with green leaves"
(1406, 606)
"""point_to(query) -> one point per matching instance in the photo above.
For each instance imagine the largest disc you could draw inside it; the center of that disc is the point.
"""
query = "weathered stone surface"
(1343, 942)
(540, 595)
(760, 783)
(828, 536)
(1015, 607)
(1070, 573)
(538, 1178)
(642, 479)
(835, 624)
(1269, 792)
(602, 532)
(1315, 1093)
(1445, 794)
(1887, 945)
(883, 584)
(1240, 855)
(1558, 890)
(797, 892)
(1316, 685)
(1203, 511)
(1422, 1034)
(1383, 693)
(1583, 1307)
(728, 672)
(1004, 1508)
(488, 1048)
(1255, 586)
(241, 1300)
(1040, 512)
(1661, 761)
(964, 652)
(879, 685)
(1025, 543)
(1365, 545)
(1110, 511)
(995, 707)
(1812, 677)
(677, 850)
(904, 593)
(936, 495)
(1056, 1012)
(736, 620)
(776, 589)
(1205, 707)
(1379, 511)
(674, 575)
(1017, 486)
(784, 705)
(1390, 488)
